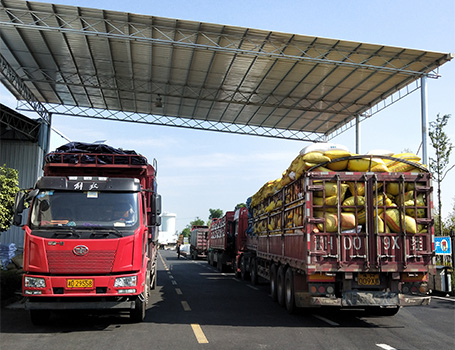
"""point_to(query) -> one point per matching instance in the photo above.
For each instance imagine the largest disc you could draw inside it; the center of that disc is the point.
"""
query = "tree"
(187, 230)
(215, 214)
(240, 205)
(8, 189)
(443, 148)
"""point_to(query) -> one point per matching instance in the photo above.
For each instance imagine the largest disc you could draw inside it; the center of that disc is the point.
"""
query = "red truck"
(227, 239)
(90, 237)
(344, 239)
(199, 242)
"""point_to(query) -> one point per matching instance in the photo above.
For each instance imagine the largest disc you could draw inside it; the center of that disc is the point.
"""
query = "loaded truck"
(331, 234)
(198, 242)
(227, 239)
(91, 232)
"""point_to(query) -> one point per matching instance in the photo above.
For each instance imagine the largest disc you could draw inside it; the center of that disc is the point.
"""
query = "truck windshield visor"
(85, 210)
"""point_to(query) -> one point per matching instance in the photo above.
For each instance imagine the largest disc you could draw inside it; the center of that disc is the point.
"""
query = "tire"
(254, 271)
(280, 285)
(219, 264)
(40, 317)
(140, 306)
(273, 281)
(243, 269)
(289, 291)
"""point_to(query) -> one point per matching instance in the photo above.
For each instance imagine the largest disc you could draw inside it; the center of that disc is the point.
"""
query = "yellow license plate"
(368, 279)
(86, 283)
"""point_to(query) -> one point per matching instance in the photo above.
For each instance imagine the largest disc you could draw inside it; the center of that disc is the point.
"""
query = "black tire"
(254, 271)
(243, 269)
(40, 317)
(219, 264)
(138, 313)
(289, 291)
(273, 281)
(280, 285)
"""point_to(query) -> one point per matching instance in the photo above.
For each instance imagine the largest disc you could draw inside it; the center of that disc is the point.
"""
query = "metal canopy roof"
(121, 66)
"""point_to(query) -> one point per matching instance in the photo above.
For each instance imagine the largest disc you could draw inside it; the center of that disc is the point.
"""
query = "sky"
(199, 170)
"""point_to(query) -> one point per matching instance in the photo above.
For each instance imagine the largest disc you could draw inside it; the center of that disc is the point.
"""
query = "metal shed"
(145, 69)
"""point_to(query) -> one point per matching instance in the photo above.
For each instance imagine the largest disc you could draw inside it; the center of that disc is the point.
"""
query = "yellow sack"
(366, 164)
(393, 188)
(335, 154)
(315, 157)
(406, 156)
(350, 201)
(360, 188)
(401, 168)
(347, 221)
(331, 223)
(382, 228)
(392, 216)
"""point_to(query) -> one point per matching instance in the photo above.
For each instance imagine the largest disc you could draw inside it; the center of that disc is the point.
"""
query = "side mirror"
(18, 208)
(156, 204)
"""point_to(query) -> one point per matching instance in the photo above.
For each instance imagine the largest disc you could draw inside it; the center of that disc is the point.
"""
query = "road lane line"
(178, 291)
(185, 306)
(326, 320)
(385, 347)
(200, 336)
(174, 282)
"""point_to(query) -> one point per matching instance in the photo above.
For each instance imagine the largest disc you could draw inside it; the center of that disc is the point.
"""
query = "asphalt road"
(196, 307)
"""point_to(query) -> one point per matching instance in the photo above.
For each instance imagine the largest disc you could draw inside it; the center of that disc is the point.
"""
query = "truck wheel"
(289, 293)
(219, 264)
(254, 271)
(243, 269)
(280, 285)
(140, 306)
(40, 317)
(273, 281)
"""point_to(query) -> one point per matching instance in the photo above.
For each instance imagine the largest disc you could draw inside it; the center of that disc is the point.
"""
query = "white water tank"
(167, 231)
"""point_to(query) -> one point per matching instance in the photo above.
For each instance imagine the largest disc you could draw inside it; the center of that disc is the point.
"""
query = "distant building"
(168, 235)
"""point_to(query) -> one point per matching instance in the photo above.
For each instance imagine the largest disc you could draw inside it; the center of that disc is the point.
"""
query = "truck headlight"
(34, 282)
(129, 281)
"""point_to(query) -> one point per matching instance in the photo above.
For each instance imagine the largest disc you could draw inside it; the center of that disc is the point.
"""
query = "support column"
(424, 114)
(357, 134)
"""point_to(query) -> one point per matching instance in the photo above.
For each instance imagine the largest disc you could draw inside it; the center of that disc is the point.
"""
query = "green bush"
(8, 189)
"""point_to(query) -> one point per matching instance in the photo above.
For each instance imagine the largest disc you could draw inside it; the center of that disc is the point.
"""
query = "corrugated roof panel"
(121, 62)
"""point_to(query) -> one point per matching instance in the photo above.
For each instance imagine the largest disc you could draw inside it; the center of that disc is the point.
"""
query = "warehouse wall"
(27, 158)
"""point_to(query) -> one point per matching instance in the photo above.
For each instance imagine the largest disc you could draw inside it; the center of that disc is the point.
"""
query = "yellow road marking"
(200, 336)
(186, 306)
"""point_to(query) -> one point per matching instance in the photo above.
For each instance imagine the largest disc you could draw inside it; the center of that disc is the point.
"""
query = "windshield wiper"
(107, 232)
(68, 232)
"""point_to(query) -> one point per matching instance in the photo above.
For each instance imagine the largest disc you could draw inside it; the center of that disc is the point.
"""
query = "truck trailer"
(227, 239)
(91, 232)
(347, 239)
(199, 242)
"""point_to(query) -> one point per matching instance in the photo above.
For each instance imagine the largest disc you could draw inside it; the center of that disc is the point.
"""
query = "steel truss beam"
(205, 40)
(11, 75)
(152, 119)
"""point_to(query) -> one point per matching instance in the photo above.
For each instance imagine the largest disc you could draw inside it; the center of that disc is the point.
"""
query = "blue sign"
(443, 245)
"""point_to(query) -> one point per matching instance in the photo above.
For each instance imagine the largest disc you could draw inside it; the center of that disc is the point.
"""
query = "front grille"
(95, 262)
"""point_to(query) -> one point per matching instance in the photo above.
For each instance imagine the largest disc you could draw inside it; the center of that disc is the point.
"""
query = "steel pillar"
(424, 114)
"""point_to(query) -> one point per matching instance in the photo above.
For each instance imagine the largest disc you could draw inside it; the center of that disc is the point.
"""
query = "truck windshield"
(110, 210)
